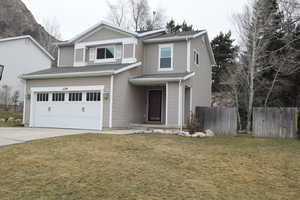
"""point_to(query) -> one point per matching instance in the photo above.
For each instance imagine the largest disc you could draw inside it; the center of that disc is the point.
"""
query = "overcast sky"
(74, 16)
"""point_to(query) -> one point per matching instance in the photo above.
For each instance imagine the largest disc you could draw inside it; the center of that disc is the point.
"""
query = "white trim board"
(67, 88)
(129, 40)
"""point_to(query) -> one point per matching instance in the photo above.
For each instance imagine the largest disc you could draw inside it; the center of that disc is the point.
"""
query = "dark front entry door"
(155, 99)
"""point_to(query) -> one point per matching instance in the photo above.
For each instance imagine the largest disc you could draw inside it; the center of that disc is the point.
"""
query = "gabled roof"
(30, 38)
(183, 36)
(168, 37)
(105, 23)
(87, 71)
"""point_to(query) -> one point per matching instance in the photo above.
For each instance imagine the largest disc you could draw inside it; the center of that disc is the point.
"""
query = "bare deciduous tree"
(259, 30)
(140, 13)
(118, 13)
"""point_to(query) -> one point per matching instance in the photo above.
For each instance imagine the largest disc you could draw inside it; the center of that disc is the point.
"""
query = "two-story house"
(20, 55)
(108, 77)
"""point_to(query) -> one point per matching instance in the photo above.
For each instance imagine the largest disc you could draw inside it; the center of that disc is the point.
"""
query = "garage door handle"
(83, 109)
(49, 109)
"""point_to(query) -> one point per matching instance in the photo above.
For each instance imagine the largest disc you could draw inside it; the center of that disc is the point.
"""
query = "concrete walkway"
(10, 136)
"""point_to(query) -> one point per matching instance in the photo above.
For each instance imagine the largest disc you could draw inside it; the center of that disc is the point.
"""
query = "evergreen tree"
(225, 54)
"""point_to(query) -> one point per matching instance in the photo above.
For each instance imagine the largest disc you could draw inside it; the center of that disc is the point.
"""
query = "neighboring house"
(112, 78)
(21, 55)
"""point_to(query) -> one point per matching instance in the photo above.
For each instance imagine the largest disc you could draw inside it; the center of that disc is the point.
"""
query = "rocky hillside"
(16, 20)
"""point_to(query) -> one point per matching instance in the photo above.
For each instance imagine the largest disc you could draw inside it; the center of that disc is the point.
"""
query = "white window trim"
(194, 60)
(83, 62)
(172, 50)
(106, 60)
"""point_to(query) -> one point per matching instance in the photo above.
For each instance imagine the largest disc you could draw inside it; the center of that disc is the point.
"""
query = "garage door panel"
(68, 114)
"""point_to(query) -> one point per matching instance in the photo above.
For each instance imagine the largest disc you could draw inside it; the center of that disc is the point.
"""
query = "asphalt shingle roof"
(91, 68)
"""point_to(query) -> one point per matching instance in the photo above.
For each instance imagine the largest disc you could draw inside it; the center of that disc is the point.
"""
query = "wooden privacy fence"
(222, 121)
(275, 122)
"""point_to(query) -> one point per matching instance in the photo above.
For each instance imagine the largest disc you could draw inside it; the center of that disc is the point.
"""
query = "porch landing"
(150, 126)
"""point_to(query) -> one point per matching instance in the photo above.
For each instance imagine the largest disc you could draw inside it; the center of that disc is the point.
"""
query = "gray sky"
(74, 16)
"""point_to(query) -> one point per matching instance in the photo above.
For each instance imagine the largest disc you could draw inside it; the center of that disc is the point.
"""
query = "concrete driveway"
(10, 136)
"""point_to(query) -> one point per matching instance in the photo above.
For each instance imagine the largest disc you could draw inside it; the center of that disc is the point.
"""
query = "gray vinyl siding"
(89, 81)
(105, 34)
(151, 58)
(128, 51)
(66, 56)
(20, 57)
(139, 51)
(173, 93)
(201, 82)
(129, 100)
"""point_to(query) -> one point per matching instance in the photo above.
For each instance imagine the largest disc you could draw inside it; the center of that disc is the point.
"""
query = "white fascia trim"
(67, 88)
(129, 40)
(102, 22)
(151, 32)
(111, 100)
(199, 34)
(189, 76)
(163, 79)
(33, 40)
(128, 60)
(175, 38)
(66, 75)
(128, 68)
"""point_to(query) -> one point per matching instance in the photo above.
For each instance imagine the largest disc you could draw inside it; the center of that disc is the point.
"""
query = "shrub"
(194, 124)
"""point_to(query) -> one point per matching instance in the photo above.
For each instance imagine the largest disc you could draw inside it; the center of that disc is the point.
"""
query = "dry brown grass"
(151, 167)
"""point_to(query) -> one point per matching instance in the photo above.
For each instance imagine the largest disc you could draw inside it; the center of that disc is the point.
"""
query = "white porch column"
(167, 102)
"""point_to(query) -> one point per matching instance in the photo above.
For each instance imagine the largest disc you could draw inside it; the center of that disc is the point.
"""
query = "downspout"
(111, 100)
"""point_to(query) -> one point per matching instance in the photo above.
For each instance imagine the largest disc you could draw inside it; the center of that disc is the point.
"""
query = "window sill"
(165, 69)
(106, 60)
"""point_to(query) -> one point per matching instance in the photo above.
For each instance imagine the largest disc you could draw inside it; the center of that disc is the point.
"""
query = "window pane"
(165, 63)
(101, 53)
(165, 52)
(110, 53)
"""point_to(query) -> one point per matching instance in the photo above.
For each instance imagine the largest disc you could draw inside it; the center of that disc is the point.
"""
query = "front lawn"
(152, 167)
(16, 119)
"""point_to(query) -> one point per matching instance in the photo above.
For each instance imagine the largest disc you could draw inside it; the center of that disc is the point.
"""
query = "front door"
(155, 100)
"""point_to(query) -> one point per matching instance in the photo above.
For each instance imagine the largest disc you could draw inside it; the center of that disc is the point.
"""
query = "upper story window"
(105, 53)
(196, 57)
(166, 57)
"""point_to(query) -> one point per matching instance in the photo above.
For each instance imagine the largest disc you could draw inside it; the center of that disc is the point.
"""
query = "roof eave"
(81, 74)
(147, 81)
(67, 75)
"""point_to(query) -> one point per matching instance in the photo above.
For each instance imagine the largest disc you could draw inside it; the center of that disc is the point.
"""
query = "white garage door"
(67, 108)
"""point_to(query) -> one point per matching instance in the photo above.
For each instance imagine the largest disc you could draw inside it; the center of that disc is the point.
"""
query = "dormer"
(101, 44)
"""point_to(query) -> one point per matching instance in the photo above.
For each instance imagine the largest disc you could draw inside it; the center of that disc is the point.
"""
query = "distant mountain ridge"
(16, 20)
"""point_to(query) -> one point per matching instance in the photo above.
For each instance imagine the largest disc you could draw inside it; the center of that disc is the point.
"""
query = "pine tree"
(225, 54)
